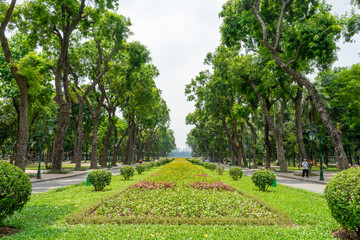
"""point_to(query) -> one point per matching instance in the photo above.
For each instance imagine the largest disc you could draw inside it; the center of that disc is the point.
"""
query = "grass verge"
(44, 217)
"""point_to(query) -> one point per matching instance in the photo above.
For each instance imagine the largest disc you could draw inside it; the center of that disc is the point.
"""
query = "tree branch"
(255, 8)
(278, 28)
(296, 56)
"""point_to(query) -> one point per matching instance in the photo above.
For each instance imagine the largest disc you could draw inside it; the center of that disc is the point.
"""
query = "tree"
(297, 35)
(22, 82)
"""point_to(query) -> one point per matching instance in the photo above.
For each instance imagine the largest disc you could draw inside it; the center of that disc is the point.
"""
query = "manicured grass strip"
(198, 232)
(180, 205)
(182, 172)
(64, 166)
(41, 220)
(46, 209)
(304, 207)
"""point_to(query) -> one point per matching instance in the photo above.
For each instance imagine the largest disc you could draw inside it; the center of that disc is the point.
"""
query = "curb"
(57, 177)
(67, 175)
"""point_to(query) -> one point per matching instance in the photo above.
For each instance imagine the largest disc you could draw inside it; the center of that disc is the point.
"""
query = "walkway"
(52, 181)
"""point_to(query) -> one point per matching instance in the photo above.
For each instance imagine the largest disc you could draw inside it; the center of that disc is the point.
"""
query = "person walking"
(305, 167)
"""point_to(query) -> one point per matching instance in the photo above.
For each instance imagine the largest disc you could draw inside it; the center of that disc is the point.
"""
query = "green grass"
(331, 168)
(64, 166)
(179, 203)
(44, 217)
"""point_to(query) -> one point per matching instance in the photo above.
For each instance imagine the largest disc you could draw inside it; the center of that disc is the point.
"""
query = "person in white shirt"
(305, 167)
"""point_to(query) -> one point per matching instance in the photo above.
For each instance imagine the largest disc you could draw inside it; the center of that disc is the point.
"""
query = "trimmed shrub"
(140, 169)
(211, 166)
(263, 179)
(236, 173)
(15, 189)
(220, 169)
(148, 165)
(127, 172)
(99, 179)
(342, 193)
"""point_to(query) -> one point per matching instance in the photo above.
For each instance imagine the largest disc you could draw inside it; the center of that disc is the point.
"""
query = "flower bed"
(181, 193)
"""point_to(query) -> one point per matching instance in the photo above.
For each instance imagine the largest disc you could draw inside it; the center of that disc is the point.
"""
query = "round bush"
(236, 173)
(99, 179)
(263, 179)
(148, 165)
(15, 189)
(342, 193)
(140, 169)
(127, 172)
(212, 166)
(220, 169)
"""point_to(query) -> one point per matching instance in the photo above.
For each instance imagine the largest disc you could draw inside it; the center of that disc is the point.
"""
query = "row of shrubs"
(263, 179)
(101, 178)
(342, 192)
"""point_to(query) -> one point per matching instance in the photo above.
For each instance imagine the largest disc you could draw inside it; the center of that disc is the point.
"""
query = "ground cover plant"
(181, 193)
(45, 215)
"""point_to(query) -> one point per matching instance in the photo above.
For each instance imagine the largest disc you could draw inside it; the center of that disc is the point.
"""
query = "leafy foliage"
(127, 172)
(220, 169)
(343, 196)
(15, 189)
(235, 173)
(100, 179)
(153, 185)
(263, 179)
(212, 185)
(140, 168)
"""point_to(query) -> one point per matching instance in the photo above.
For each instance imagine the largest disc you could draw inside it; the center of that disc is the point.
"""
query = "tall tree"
(297, 34)
(22, 82)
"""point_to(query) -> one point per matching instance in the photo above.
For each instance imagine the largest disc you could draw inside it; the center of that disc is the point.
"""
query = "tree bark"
(277, 134)
(266, 140)
(253, 147)
(23, 128)
(230, 142)
(298, 124)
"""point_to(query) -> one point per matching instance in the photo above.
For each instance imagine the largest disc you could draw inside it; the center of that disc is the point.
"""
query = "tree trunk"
(298, 124)
(105, 152)
(58, 147)
(253, 147)
(23, 127)
(94, 143)
(230, 142)
(80, 136)
(240, 147)
(276, 133)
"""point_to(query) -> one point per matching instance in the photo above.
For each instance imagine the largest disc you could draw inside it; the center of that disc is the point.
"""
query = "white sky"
(179, 34)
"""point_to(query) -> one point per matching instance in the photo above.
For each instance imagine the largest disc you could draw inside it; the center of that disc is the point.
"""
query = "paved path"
(296, 183)
(48, 183)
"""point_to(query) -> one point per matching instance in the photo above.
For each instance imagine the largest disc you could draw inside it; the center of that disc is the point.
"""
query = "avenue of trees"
(69, 66)
(256, 102)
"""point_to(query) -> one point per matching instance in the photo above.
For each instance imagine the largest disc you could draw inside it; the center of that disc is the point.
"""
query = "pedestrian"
(305, 167)
(140, 161)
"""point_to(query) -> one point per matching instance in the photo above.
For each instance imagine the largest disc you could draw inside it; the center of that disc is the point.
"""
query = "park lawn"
(64, 166)
(44, 217)
(331, 168)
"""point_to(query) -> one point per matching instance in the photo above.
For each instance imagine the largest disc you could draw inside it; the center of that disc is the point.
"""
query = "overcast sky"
(179, 34)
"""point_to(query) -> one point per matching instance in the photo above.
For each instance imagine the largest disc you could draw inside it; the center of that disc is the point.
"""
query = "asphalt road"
(38, 187)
